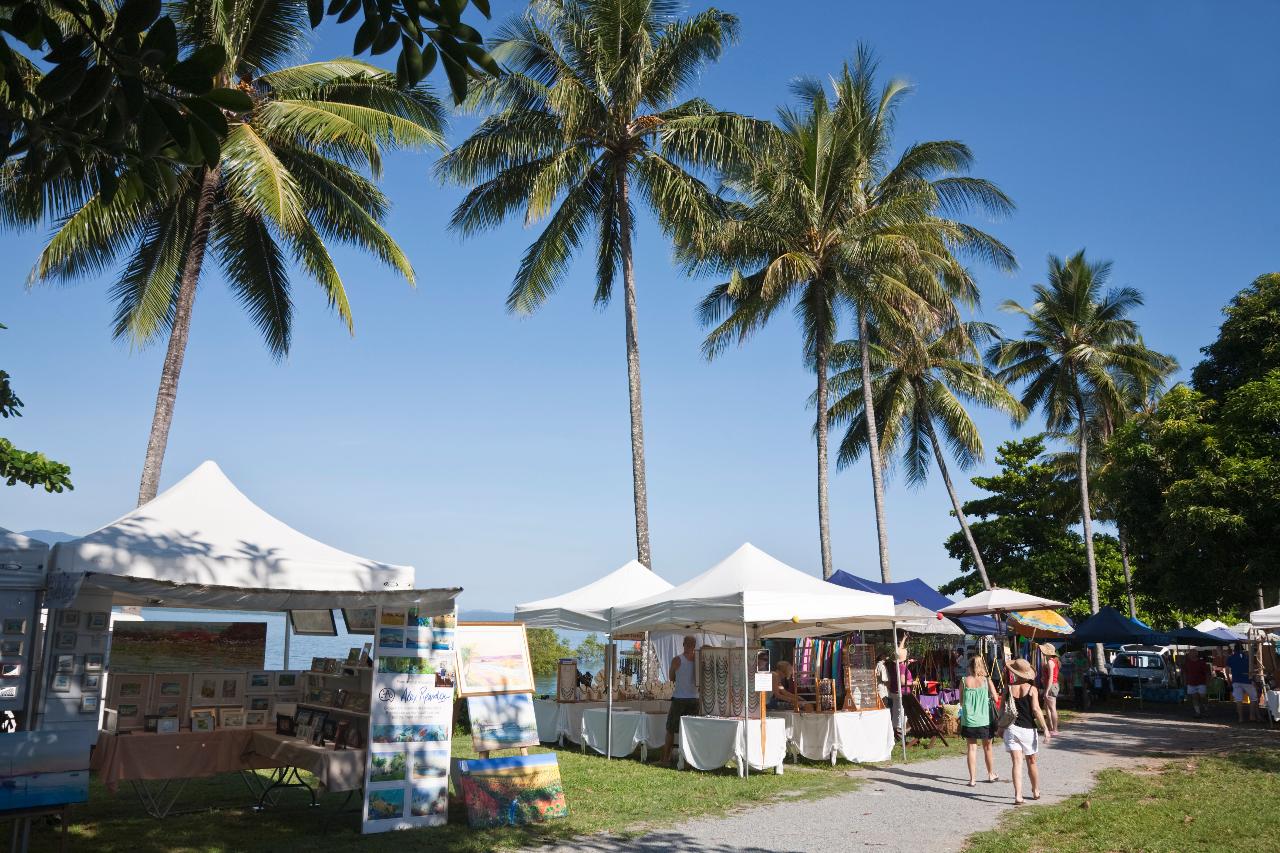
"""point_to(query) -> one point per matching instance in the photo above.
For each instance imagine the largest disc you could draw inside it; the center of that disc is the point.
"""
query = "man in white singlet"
(684, 696)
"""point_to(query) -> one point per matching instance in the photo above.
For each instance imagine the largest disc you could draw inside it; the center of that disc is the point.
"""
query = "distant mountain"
(49, 537)
(484, 615)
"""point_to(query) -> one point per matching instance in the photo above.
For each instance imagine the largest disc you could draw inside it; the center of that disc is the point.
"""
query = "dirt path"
(894, 805)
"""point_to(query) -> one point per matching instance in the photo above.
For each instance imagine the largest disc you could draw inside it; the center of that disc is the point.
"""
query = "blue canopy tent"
(1192, 637)
(921, 593)
(1109, 625)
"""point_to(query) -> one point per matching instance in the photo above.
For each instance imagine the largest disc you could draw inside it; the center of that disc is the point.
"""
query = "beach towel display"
(410, 722)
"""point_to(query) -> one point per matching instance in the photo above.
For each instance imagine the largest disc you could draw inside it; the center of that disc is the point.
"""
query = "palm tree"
(288, 180)
(922, 376)
(820, 220)
(1080, 354)
(585, 117)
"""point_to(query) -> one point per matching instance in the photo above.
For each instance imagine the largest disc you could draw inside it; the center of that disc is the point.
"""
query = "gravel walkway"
(891, 803)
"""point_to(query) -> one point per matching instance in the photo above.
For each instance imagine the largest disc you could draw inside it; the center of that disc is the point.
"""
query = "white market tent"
(752, 591)
(587, 608)
(998, 600)
(918, 619)
(1268, 618)
(19, 553)
(203, 543)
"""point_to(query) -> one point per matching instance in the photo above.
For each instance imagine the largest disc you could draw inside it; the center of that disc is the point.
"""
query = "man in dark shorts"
(684, 695)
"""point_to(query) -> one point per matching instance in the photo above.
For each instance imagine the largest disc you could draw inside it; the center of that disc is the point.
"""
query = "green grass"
(1217, 803)
(616, 796)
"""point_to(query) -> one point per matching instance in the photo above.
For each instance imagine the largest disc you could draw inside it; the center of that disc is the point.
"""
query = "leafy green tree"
(585, 117)
(591, 648)
(546, 647)
(26, 466)
(922, 378)
(1248, 344)
(287, 182)
(826, 222)
(1081, 348)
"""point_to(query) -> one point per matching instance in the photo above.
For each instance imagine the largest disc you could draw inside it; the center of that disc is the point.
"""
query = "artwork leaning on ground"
(511, 791)
(502, 721)
(188, 646)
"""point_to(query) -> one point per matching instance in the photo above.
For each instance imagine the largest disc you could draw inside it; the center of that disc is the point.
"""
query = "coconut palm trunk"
(873, 445)
(1128, 579)
(639, 487)
(1085, 510)
(955, 503)
(167, 395)
(824, 524)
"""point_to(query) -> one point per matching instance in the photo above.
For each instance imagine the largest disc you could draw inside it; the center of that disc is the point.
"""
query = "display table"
(158, 766)
(547, 713)
(334, 769)
(141, 757)
(861, 736)
(942, 697)
(630, 729)
(1273, 704)
(709, 743)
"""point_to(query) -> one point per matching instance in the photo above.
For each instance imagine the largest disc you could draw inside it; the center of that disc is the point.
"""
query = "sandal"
(1036, 795)
(1017, 802)
(993, 778)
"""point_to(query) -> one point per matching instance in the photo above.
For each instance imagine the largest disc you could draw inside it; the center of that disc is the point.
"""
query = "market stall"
(203, 544)
(861, 736)
(754, 596)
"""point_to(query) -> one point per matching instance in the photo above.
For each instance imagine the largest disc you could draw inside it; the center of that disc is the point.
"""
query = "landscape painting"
(502, 721)
(512, 791)
(189, 646)
(493, 657)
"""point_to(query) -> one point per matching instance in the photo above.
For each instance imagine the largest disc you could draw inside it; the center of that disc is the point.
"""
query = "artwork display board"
(188, 646)
(18, 620)
(493, 657)
(512, 791)
(502, 721)
(860, 693)
(722, 685)
(410, 721)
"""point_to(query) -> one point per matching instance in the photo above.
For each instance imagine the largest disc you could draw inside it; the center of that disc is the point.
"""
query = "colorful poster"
(188, 646)
(502, 721)
(410, 722)
(511, 791)
(493, 657)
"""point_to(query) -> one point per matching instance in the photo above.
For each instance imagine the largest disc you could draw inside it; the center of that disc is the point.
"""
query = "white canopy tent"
(759, 596)
(19, 553)
(997, 601)
(587, 608)
(202, 543)
(1267, 618)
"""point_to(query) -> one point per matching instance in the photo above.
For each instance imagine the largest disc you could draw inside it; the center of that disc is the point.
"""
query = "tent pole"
(287, 622)
(608, 665)
(746, 717)
(900, 725)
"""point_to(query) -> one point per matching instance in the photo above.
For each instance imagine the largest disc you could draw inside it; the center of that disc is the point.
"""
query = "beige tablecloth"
(334, 769)
(186, 755)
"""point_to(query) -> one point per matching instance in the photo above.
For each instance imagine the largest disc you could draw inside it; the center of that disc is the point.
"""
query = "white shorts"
(1197, 690)
(1018, 739)
(1239, 691)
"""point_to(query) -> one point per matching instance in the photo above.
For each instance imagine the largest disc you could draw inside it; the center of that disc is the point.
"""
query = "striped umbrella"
(1039, 625)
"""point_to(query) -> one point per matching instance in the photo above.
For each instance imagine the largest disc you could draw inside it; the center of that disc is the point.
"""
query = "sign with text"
(410, 721)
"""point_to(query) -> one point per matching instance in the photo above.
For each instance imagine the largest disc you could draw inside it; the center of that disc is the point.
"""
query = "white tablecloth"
(547, 714)
(569, 720)
(855, 735)
(709, 743)
(1273, 704)
(630, 729)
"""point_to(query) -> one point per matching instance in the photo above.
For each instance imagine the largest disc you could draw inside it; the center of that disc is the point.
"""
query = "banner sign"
(410, 721)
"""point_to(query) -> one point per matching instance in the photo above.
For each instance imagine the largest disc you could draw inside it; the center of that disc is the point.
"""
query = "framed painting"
(98, 620)
(313, 623)
(502, 721)
(359, 620)
(492, 657)
(261, 681)
(169, 694)
(129, 689)
(161, 646)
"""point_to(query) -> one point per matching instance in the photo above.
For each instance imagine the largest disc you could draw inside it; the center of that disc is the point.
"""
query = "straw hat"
(1048, 650)
(1021, 669)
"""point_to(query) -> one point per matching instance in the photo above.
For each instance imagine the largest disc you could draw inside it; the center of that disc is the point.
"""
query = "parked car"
(1130, 667)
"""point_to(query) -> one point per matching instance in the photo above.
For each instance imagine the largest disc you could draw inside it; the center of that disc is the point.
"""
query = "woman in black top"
(1020, 737)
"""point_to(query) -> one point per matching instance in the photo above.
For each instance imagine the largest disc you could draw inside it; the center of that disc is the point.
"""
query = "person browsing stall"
(684, 695)
(1242, 683)
(1195, 675)
(1020, 738)
(784, 696)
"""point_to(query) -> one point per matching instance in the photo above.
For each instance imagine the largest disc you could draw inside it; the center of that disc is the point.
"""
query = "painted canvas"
(502, 721)
(188, 646)
(512, 791)
(493, 657)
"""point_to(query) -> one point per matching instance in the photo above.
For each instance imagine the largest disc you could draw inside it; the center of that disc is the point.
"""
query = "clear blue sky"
(492, 452)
